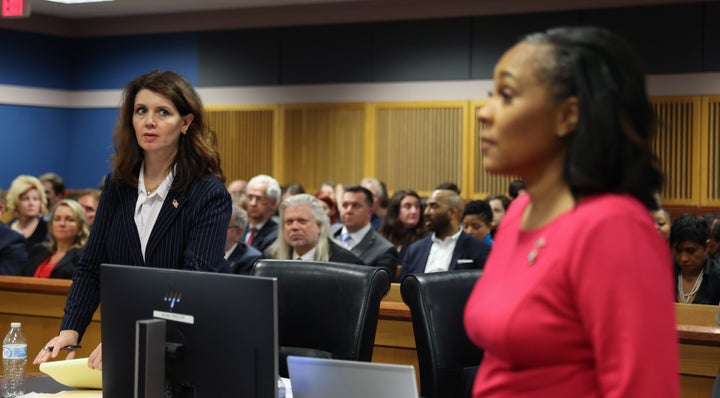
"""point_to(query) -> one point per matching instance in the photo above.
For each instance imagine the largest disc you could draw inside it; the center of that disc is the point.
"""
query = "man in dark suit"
(13, 248)
(240, 256)
(448, 247)
(306, 233)
(263, 193)
(357, 233)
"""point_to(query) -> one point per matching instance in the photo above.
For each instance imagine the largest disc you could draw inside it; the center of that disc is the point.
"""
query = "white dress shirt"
(230, 250)
(355, 237)
(147, 207)
(309, 256)
(441, 253)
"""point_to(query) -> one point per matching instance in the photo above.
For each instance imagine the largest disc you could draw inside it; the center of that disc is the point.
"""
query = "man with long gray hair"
(306, 233)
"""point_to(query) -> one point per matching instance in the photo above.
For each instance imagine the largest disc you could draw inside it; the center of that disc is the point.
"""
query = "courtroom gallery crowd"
(571, 262)
(403, 233)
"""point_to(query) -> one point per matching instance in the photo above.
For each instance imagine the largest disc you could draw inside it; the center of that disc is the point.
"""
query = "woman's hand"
(95, 359)
(65, 338)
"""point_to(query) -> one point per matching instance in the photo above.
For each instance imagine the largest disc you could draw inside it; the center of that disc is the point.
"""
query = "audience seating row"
(39, 303)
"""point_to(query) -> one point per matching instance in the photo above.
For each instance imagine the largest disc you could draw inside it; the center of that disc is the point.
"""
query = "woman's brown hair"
(197, 152)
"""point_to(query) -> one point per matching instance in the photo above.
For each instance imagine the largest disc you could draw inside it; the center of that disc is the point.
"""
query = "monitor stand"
(149, 358)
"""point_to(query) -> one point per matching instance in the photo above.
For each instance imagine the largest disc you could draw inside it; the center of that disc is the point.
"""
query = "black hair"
(480, 208)
(515, 187)
(363, 190)
(713, 221)
(689, 228)
(293, 189)
(502, 198)
(609, 151)
(450, 186)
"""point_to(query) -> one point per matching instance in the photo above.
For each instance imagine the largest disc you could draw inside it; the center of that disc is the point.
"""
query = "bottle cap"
(14, 324)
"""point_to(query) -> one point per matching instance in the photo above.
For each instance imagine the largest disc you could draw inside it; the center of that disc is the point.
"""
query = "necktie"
(347, 240)
(251, 235)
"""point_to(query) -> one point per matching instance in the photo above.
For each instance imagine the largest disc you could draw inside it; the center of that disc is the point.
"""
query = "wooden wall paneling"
(677, 146)
(471, 140)
(278, 150)
(710, 152)
(323, 142)
(419, 144)
(245, 138)
(370, 143)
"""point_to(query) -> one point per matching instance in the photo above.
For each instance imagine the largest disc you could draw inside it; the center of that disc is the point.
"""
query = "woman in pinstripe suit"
(163, 205)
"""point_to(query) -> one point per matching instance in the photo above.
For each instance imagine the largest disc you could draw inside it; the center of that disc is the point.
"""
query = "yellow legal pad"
(73, 373)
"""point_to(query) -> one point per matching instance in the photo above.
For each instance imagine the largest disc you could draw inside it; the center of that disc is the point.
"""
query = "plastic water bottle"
(14, 359)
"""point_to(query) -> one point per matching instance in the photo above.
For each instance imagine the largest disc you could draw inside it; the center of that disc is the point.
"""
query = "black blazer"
(13, 251)
(377, 251)
(709, 291)
(189, 234)
(265, 236)
(341, 255)
(243, 258)
(64, 269)
(39, 235)
(469, 250)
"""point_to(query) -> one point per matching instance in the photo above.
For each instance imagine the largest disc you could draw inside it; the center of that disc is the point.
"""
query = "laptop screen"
(332, 378)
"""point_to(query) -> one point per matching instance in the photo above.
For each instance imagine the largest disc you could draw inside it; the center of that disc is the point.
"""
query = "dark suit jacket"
(467, 248)
(243, 258)
(189, 234)
(341, 255)
(64, 269)
(13, 251)
(265, 236)
(375, 250)
(39, 235)
(709, 291)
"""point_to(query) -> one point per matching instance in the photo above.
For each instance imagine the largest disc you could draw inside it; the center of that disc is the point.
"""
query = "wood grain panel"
(677, 146)
(323, 143)
(710, 152)
(420, 145)
(245, 139)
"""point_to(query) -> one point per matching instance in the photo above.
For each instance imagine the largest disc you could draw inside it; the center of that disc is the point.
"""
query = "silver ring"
(48, 349)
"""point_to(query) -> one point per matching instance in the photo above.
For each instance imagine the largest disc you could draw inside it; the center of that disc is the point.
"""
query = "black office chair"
(448, 360)
(326, 310)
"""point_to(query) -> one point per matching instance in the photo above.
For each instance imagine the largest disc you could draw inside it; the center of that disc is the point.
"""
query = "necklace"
(687, 297)
(151, 190)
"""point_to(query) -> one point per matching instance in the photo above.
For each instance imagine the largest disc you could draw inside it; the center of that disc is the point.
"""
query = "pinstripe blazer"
(189, 234)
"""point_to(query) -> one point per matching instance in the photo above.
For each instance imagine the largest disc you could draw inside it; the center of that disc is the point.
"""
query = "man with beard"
(448, 247)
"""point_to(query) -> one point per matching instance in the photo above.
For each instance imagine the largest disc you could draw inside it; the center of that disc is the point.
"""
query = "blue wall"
(76, 143)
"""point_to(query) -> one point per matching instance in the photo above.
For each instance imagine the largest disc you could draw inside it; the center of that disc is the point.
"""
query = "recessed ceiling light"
(76, 1)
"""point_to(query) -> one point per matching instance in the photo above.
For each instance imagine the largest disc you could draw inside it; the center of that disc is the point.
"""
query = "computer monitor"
(223, 329)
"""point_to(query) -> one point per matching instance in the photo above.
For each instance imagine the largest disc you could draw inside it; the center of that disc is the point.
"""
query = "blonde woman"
(26, 201)
(59, 257)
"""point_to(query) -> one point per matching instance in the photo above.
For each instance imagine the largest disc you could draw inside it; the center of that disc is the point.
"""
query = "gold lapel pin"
(175, 203)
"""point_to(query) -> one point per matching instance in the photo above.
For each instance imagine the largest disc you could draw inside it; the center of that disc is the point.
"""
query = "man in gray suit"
(239, 255)
(357, 234)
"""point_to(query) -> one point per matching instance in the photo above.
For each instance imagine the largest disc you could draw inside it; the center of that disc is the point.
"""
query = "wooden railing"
(698, 337)
(39, 303)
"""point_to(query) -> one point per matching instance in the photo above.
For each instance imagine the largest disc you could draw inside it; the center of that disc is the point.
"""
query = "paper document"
(73, 373)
